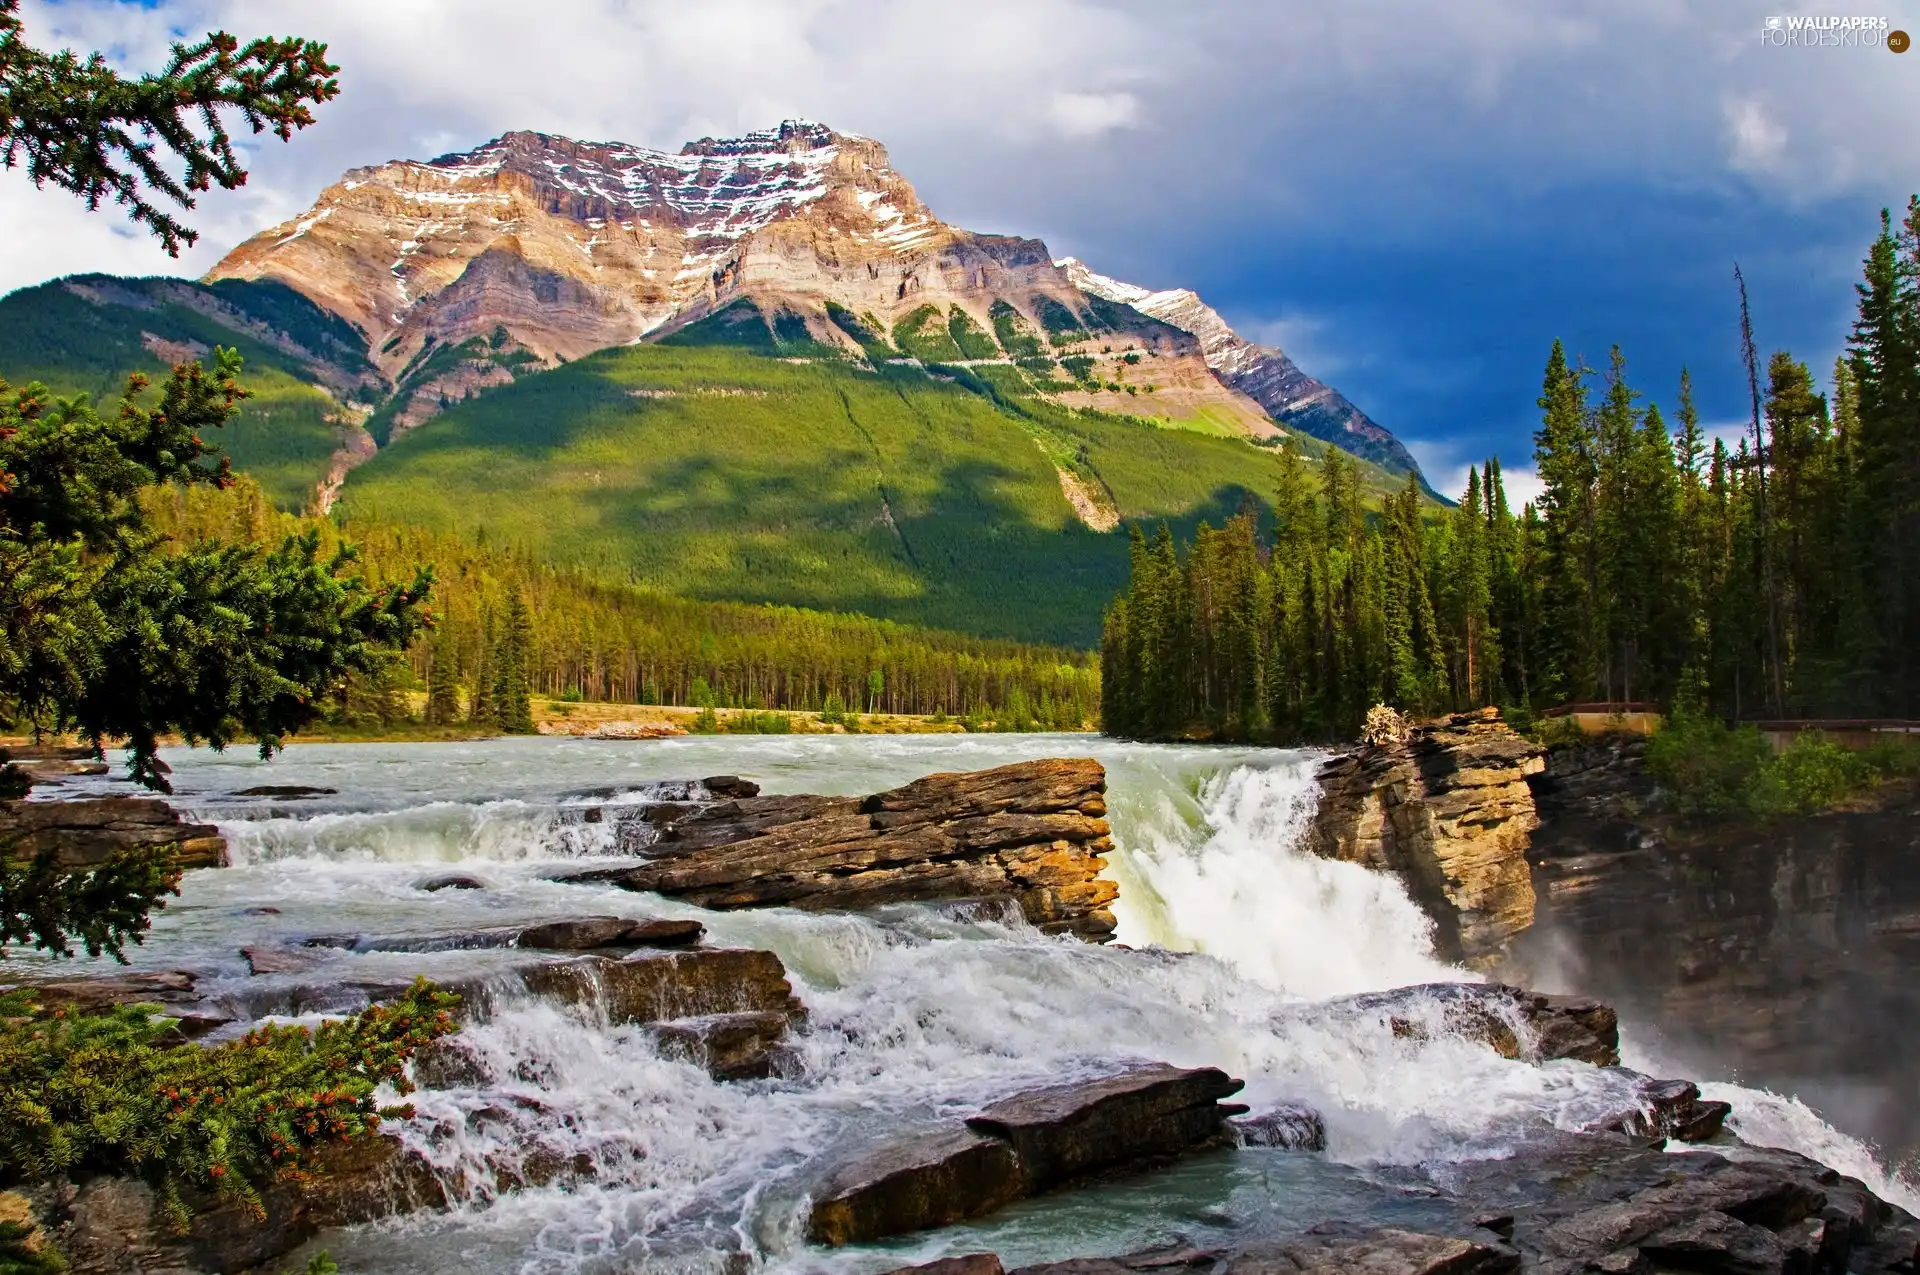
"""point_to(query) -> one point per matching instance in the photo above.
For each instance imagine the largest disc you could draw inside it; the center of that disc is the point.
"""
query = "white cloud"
(1087, 114)
(1209, 114)
(1757, 142)
(1305, 338)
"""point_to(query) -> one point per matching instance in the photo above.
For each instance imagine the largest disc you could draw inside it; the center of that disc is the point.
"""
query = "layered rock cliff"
(1449, 811)
(1778, 952)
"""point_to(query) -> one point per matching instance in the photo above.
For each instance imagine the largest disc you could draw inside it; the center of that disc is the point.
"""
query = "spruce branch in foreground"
(158, 139)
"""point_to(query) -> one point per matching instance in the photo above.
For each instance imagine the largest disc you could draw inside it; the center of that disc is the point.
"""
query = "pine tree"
(443, 689)
(88, 130)
(1884, 355)
(511, 690)
(482, 706)
(1564, 456)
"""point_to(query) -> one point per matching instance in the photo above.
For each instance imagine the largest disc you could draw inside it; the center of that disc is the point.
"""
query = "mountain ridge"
(1263, 373)
(568, 247)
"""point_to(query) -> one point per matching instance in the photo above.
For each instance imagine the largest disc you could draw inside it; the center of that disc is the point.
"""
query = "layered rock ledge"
(84, 833)
(1022, 1146)
(1032, 833)
(1577, 1205)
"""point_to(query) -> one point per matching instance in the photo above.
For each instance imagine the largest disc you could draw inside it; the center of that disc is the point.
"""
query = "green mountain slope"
(719, 473)
(85, 334)
(738, 459)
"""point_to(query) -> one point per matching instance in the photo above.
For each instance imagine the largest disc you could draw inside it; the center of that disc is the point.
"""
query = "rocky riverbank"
(1576, 1187)
(1781, 951)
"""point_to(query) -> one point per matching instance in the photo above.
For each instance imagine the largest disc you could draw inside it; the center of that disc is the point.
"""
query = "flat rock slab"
(85, 832)
(1033, 832)
(965, 1264)
(563, 934)
(931, 1180)
(1020, 1146)
(1345, 1250)
(1144, 1113)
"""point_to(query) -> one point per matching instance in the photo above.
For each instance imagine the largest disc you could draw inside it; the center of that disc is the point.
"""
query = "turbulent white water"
(1233, 942)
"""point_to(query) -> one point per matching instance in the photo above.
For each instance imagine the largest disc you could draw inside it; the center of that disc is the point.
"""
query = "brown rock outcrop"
(107, 1226)
(86, 832)
(1021, 1146)
(1033, 832)
(1448, 811)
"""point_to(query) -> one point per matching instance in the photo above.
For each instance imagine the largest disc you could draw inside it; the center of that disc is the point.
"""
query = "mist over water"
(1230, 943)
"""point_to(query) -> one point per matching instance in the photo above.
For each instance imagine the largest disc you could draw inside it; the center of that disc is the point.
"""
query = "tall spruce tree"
(512, 692)
(1564, 457)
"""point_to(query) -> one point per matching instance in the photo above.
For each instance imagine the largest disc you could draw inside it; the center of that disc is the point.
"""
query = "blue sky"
(1414, 200)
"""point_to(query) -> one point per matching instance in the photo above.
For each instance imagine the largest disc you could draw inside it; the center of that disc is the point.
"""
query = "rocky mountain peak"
(469, 269)
(1263, 373)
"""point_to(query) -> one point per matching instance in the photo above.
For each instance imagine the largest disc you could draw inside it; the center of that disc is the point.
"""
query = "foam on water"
(1238, 939)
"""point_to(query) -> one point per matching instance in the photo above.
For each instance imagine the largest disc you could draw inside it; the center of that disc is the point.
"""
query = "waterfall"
(1223, 873)
(1233, 942)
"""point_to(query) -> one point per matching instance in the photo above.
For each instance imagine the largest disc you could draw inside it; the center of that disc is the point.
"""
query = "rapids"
(1230, 943)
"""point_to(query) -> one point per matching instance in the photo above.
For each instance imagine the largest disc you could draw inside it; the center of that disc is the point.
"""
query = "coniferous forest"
(1776, 575)
(507, 626)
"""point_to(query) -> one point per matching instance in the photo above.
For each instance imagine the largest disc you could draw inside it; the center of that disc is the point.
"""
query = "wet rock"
(86, 832)
(563, 934)
(287, 792)
(1334, 1248)
(91, 995)
(452, 881)
(914, 1183)
(1020, 1146)
(585, 933)
(279, 960)
(1669, 1109)
(109, 1225)
(747, 1046)
(1447, 810)
(1718, 1243)
(1143, 1113)
(730, 786)
(448, 1063)
(1343, 1249)
(1290, 1127)
(1033, 832)
(968, 1264)
(656, 987)
(1518, 1024)
(1164, 1259)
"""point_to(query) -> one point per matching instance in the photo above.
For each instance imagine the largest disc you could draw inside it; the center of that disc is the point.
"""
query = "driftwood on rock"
(1033, 832)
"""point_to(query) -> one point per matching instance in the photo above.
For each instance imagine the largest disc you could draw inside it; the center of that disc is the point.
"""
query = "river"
(912, 1013)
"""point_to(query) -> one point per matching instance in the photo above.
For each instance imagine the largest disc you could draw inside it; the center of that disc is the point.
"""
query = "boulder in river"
(1019, 1146)
(1518, 1024)
(1033, 832)
(1291, 1126)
